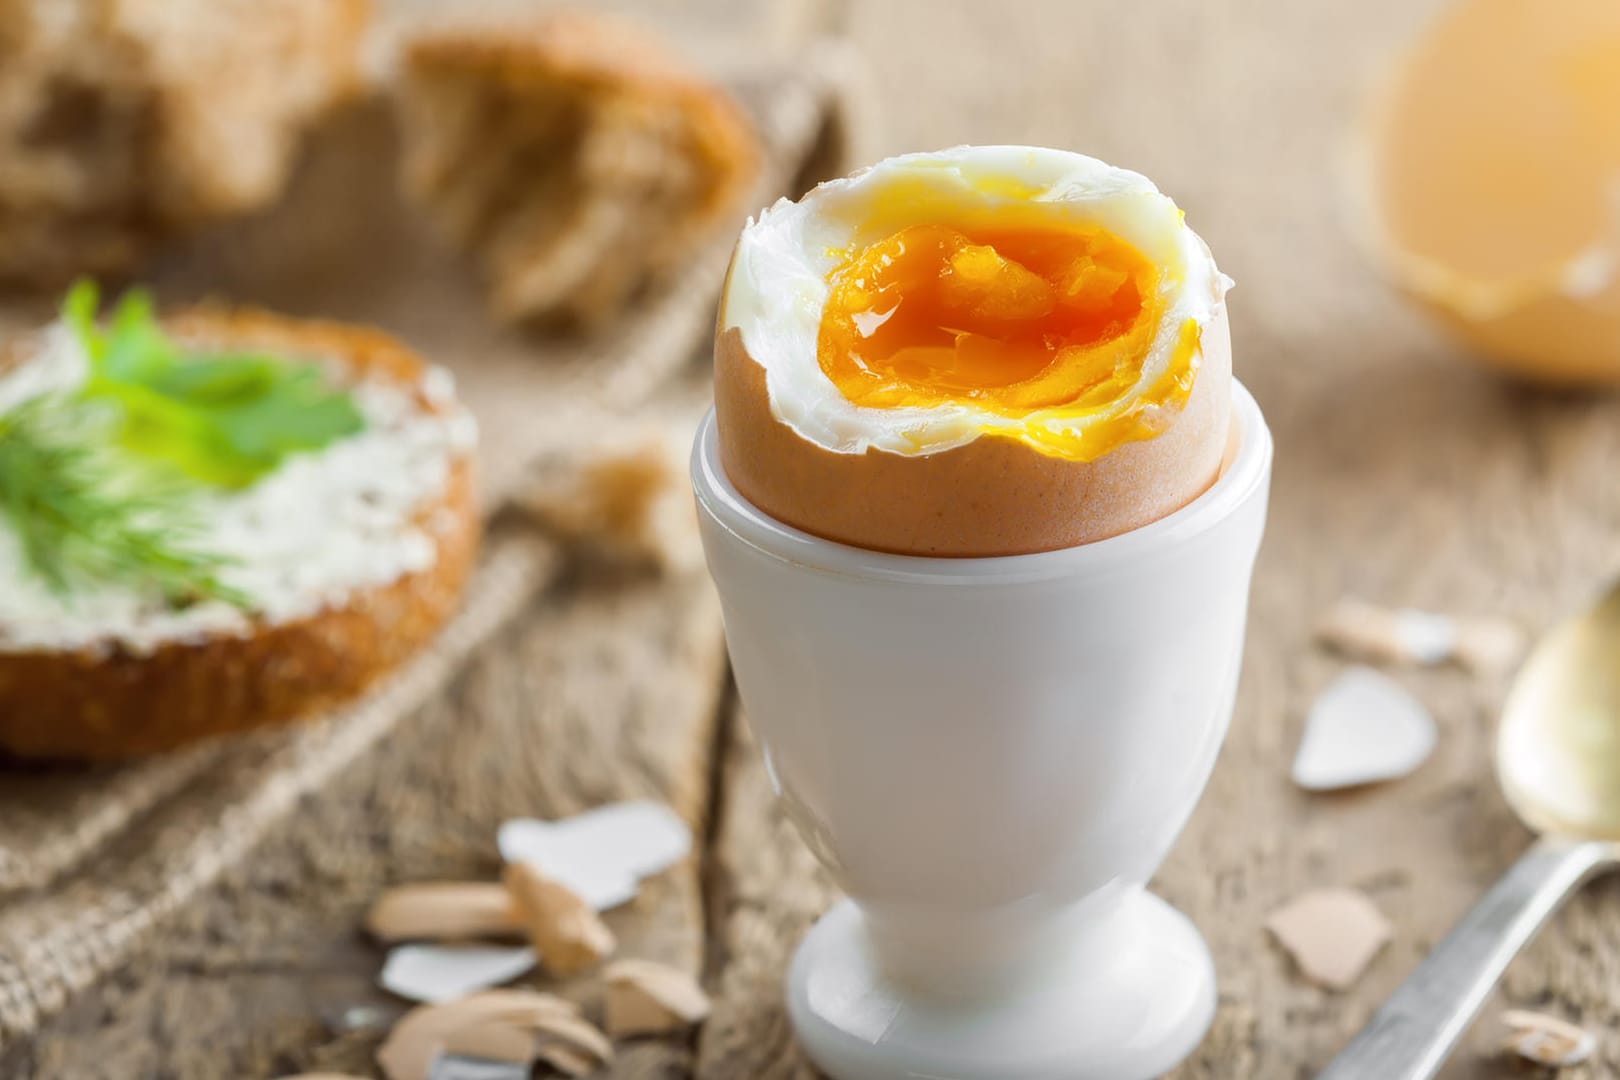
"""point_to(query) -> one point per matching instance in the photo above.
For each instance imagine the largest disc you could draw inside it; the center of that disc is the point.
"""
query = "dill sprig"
(84, 512)
(226, 419)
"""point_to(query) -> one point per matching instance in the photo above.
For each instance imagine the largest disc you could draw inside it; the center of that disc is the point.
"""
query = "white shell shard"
(1332, 934)
(1362, 729)
(602, 853)
(1426, 637)
(440, 973)
(1545, 1040)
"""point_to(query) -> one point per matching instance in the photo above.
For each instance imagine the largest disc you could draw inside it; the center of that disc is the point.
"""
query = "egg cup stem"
(992, 757)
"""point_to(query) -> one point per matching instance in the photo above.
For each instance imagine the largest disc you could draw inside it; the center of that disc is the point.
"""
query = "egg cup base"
(1124, 1005)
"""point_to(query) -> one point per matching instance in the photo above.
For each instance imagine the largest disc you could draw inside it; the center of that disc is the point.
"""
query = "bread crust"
(127, 123)
(993, 496)
(106, 702)
(598, 54)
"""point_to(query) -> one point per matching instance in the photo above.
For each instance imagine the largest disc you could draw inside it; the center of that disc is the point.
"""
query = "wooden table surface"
(1404, 474)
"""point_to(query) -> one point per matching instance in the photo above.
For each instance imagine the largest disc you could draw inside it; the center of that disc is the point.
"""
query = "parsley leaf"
(226, 419)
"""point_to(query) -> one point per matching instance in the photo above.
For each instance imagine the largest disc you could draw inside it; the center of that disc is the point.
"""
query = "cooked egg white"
(782, 278)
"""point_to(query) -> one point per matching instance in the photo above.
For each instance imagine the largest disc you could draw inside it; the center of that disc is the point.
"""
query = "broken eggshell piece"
(443, 911)
(1332, 934)
(644, 998)
(1362, 729)
(424, 1033)
(568, 934)
(601, 854)
(493, 1039)
(1545, 1040)
(1483, 644)
(441, 973)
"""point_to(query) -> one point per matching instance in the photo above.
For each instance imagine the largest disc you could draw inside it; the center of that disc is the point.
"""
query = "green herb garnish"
(99, 484)
(86, 512)
(221, 418)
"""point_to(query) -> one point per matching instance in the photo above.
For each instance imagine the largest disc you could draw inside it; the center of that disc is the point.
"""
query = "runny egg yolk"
(1039, 318)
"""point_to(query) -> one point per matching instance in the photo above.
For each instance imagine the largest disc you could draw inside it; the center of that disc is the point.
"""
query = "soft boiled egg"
(983, 351)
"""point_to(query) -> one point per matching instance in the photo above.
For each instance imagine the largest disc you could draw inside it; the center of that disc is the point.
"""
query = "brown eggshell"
(992, 496)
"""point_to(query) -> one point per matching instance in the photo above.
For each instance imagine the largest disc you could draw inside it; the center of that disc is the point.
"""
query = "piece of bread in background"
(125, 122)
(626, 496)
(572, 154)
(350, 558)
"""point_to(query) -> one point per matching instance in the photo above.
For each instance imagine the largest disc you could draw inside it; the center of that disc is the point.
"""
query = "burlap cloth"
(91, 860)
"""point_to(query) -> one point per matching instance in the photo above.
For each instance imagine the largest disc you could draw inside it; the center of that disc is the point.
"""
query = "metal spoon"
(1558, 761)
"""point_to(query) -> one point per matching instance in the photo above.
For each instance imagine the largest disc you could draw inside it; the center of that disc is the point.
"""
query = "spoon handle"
(1410, 1037)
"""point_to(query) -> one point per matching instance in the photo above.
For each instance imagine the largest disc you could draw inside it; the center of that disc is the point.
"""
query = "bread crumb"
(630, 500)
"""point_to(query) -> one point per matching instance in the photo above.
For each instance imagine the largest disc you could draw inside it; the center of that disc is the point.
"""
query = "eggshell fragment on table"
(1483, 644)
(1332, 934)
(1545, 1040)
(1363, 728)
(629, 497)
(423, 1033)
(493, 1039)
(575, 1035)
(567, 932)
(443, 911)
(441, 973)
(601, 854)
(644, 998)
(567, 1060)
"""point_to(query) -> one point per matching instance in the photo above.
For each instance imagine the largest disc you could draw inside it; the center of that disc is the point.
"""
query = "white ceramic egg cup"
(993, 756)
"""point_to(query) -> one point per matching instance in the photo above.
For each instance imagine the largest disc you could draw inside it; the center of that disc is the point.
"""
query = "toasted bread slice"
(136, 690)
(574, 155)
(124, 122)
